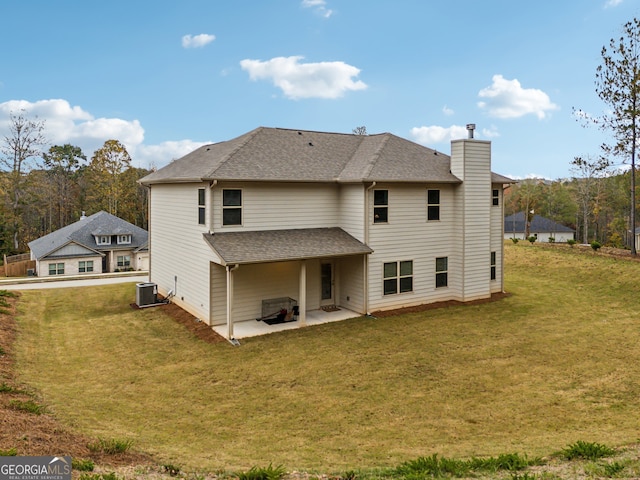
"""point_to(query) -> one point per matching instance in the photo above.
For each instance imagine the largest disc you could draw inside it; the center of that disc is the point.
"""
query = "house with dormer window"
(99, 243)
(356, 222)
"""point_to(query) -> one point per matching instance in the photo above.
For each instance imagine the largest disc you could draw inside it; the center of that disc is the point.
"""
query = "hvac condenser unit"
(146, 294)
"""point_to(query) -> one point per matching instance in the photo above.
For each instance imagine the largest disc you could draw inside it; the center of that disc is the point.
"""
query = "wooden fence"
(17, 265)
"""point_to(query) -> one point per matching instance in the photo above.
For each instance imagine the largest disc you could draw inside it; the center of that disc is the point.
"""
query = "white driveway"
(38, 284)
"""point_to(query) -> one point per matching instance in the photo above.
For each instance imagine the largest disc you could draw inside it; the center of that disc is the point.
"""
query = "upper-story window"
(433, 204)
(380, 206)
(201, 206)
(103, 239)
(124, 239)
(231, 207)
(495, 197)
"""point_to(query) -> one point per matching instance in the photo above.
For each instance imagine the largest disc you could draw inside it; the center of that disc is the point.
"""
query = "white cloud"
(447, 111)
(197, 41)
(305, 80)
(612, 3)
(64, 123)
(165, 152)
(319, 6)
(71, 124)
(490, 132)
(507, 99)
(435, 134)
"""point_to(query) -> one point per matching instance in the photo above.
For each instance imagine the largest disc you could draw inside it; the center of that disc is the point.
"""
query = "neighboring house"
(96, 244)
(364, 222)
(542, 228)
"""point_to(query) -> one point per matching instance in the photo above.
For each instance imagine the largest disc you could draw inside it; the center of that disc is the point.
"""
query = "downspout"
(365, 259)
(230, 271)
(148, 188)
(212, 185)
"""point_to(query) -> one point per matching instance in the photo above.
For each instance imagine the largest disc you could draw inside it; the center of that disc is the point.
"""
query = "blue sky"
(164, 77)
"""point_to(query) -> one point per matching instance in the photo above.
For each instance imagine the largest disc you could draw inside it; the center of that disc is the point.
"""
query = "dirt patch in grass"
(197, 327)
(30, 434)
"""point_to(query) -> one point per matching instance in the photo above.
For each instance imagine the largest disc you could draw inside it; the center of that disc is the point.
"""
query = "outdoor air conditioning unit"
(146, 294)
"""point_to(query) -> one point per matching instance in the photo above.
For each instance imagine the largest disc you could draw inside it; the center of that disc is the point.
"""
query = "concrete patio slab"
(253, 328)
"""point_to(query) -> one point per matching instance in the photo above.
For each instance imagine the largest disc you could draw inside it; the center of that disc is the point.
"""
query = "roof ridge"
(249, 136)
(376, 155)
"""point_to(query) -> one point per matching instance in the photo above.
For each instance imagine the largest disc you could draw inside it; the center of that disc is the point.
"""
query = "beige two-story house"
(363, 222)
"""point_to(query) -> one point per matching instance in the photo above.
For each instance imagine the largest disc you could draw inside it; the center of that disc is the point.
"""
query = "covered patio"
(323, 269)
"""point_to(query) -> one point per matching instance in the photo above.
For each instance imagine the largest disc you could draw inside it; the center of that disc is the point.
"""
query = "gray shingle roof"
(283, 245)
(276, 154)
(515, 224)
(82, 232)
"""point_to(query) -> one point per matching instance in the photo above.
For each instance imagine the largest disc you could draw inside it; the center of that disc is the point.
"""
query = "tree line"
(595, 204)
(46, 187)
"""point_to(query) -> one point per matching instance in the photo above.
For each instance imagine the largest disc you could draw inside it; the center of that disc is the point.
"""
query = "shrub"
(2, 352)
(268, 473)
(532, 238)
(28, 406)
(587, 451)
(434, 466)
(595, 245)
(612, 469)
(12, 452)
(571, 242)
(110, 446)
(506, 461)
(514, 240)
(82, 465)
(552, 240)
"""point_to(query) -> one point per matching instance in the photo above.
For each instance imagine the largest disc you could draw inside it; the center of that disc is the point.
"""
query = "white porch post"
(302, 293)
(230, 300)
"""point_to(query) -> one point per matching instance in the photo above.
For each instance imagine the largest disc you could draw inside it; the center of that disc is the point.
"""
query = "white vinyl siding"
(179, 250)
(352, 212)
(474, 214)
(350, 279)
(497, 239)
(218, 294)
(280, 206)
(408, 233)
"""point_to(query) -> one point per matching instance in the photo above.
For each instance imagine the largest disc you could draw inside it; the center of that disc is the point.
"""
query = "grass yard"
(556, 362)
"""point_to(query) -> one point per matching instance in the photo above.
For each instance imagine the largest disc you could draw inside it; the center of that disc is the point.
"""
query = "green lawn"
(556, 362)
